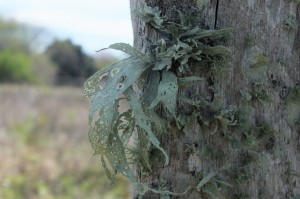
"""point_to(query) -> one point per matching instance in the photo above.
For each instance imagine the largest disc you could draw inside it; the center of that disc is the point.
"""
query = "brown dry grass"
(45, 151)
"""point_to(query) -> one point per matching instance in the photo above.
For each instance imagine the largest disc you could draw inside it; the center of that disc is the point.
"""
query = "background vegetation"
(61, 62)
(45, 152)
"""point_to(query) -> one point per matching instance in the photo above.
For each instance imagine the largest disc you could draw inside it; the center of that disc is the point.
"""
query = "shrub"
(15, 67)
(73, 65)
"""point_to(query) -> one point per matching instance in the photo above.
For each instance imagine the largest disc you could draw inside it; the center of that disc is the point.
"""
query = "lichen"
(154, 81)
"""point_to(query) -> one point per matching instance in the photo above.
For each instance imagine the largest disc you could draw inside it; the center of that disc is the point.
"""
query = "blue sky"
(93, 24)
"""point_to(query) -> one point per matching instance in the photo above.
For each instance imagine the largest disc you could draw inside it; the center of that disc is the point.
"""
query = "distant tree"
(15, 67)
(73, 64)
(20, 54)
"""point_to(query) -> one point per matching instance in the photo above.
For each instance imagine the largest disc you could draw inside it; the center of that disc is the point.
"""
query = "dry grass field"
(44, 148)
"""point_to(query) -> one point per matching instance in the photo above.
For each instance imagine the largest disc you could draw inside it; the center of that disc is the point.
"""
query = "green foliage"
(15, 67)
(257, 93)
(211, 184)
(143, 121)
(153, 81)
(148, 82)
(72, 63)
(256, 138)
(243, 175)
(21, 45)
(256, 58)
(167, 92)
(211, 115)
(151, 15)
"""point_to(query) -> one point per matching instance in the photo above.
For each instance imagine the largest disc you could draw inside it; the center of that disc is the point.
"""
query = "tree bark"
(270, 28)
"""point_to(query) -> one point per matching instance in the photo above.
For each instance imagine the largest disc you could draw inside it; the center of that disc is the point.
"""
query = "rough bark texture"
(263, 25)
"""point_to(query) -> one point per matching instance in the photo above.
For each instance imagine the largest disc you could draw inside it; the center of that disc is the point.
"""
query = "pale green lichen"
(290, 24)
(153, 81)
(147, 81)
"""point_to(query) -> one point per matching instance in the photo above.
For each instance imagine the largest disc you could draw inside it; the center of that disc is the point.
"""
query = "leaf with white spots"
(143, 121)
(104, 114)
(167, 92)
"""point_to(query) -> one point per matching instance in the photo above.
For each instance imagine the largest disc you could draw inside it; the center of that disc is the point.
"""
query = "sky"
(93, 24)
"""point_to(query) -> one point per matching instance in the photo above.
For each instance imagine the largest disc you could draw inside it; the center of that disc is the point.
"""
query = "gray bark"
(273, 29)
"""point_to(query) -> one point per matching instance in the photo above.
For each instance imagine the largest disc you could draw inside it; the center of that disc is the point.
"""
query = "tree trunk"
(262, 82)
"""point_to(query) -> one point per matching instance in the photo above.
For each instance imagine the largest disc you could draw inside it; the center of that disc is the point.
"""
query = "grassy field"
(44, 148)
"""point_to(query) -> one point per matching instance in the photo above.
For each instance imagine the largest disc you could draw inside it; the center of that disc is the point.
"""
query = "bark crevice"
(216, 15)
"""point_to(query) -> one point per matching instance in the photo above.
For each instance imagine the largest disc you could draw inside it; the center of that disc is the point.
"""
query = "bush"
(73, 65)
(15, 67)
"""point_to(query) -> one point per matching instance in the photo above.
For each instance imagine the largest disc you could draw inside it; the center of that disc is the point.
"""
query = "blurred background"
(47, 51)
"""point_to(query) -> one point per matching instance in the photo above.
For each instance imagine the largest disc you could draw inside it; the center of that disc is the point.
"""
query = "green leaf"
(167, 92)
(201, 4)
(246, 95)
(101, 128)
(143, 121)
(212, 189)
(125, 126)
(210, 176)
(191, 32)
(93, 85)
(143, 148)
(148, 96)
(216, 103)
(121, 76)
(163, 63)
(142, 188)
(117, 158)
(212, 34)
(104, 115)
(127, 48)
(183, 45)
(111, 176)
(223, 183)
(150, 15)
(109, 145)
(206, 179)
(169, 192)
(151, 88)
